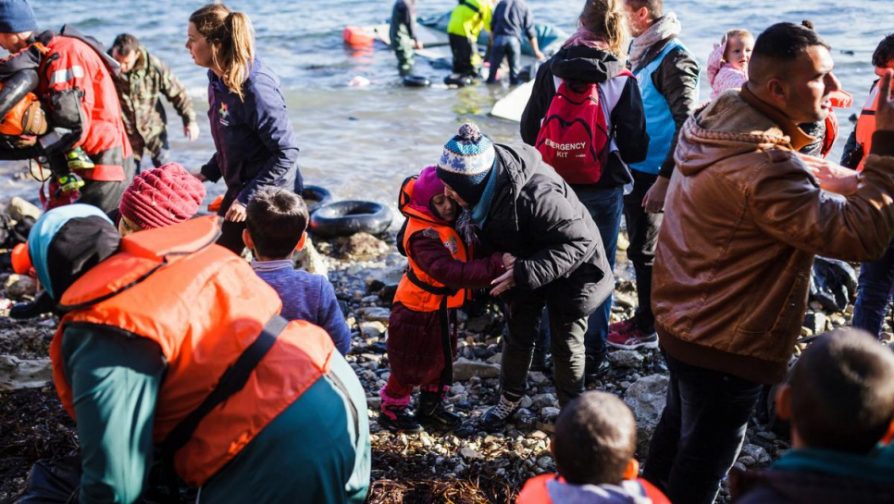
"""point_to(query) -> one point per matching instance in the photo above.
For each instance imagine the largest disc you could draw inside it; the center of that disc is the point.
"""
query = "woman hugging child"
(421, 330)
(728, 62)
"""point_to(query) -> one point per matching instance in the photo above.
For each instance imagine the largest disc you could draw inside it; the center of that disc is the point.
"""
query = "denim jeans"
(523, 315)
(642, 228)
(700, 432)
(510, 47)
(874, 292)
(606, 206)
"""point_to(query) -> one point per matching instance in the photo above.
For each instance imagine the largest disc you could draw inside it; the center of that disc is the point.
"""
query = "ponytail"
(231, 38)
(605, 20)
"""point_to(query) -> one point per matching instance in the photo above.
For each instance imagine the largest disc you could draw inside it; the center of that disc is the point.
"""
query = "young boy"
(276, 224)
(593, 447)
(840, 401)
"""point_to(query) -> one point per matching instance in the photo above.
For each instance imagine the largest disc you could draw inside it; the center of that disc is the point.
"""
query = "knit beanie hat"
(16, 16)
(166, 195)
(427, 186)
(466, 161)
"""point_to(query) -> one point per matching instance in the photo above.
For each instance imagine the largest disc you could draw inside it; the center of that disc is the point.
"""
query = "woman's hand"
(653, 202)
(502, 283)
(236, 212)
(508, 260)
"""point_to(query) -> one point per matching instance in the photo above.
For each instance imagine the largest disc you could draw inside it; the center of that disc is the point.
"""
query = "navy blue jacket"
(255, 144)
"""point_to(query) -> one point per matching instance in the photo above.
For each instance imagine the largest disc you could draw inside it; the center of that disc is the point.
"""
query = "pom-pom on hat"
(16, 16)
(466, 162)
(166, 195)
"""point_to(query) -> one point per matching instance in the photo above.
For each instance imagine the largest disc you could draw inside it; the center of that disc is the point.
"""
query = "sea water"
(361, 142)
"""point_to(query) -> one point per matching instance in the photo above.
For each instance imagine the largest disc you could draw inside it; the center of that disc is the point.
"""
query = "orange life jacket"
(204, 306)
(535, 491)
(417, 290)
(866, 125)
(24, 118)
(72, 62)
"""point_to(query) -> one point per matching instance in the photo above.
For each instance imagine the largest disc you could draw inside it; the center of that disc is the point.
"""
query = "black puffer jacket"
(536, 217)
(588, 65)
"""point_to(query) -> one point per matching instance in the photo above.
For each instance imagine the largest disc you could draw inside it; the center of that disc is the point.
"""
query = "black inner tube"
(344, 218)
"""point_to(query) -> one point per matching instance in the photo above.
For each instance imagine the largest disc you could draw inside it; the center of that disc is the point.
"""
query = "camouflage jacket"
(139, 91)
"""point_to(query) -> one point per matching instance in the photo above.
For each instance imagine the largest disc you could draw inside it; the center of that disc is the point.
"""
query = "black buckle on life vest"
(431, 289)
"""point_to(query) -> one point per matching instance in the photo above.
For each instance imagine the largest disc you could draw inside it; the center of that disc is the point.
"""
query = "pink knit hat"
(161, 197)
(427, 186)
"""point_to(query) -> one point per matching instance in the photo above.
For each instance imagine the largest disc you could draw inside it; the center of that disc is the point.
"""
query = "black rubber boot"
(398, 420)
(433, 413)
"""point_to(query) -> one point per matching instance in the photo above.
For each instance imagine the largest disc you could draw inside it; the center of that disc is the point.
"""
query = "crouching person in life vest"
(75, 85)
(170, 343)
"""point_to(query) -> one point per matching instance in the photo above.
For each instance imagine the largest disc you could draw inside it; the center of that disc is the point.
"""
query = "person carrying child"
(840, 401)
(593, 447)
(421, 329)
(276, 226)
(728, 62)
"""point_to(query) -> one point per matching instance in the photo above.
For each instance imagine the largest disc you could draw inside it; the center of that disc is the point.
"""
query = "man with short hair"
(144, 78)
(667, 74)
(743, 221)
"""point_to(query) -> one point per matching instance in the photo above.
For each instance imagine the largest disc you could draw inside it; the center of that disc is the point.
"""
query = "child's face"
(738, 52)
(444, 207)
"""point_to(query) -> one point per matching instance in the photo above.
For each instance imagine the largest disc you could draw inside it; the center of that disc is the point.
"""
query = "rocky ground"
(425, 467)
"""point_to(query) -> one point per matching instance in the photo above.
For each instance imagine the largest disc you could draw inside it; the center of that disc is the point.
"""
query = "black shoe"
(595, 368)
(398, 420)
(497, 416)
(433, 413)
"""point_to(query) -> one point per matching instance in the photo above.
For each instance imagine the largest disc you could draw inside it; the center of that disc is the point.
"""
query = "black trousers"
(461, 47)
(642, 229)
(700, 432)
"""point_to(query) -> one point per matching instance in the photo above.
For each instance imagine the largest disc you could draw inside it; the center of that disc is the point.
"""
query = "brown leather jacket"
(743, 221)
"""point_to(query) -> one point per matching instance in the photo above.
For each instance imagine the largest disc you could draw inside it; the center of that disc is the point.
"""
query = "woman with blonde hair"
(586, 117)
(254, 142)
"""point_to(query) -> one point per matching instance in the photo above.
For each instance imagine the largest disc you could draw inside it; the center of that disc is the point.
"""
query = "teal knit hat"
(466, 162)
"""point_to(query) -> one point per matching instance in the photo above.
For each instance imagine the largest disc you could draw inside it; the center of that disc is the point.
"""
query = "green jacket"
(139, 91)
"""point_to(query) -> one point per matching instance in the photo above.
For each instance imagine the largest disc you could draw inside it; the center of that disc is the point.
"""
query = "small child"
(593, 446)
(728, 62)
(420, 341)
(275, 226)
(840, 401)
(160, 197)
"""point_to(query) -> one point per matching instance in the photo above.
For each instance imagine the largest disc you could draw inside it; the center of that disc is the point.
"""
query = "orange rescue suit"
(203, 306)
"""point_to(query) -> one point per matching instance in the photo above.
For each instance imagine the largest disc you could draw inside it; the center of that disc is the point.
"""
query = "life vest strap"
(232, 381)
(470, 5)
(431, 289)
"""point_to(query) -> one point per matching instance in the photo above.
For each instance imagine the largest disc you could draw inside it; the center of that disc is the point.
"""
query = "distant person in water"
(466, 22)
(404, 34)
(512, 19)
(254, 142)
(144, 79)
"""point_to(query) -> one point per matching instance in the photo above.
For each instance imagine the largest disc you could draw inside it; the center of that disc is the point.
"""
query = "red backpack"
(574, 137)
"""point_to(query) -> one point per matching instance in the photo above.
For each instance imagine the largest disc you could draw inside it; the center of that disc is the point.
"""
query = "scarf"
(585, 37)
(663, 28)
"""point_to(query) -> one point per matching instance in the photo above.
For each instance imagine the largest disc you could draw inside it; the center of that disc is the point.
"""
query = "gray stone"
(646, 398)
(16, 374)
(815, 321)
(757, 453)
(626, 358)
(375, 314)
(463, 369)
(544, 400)
(373, 402)
(310, 260)
(360, 247)
(537, 377)
(19, 286)
(469, 453)
(525, 402)
(384, 277)
(545, 462)
(550, 413)
(496, 358)
(19, 209)
(372, 329)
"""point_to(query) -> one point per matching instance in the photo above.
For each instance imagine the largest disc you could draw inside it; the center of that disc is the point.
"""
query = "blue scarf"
(482, 208)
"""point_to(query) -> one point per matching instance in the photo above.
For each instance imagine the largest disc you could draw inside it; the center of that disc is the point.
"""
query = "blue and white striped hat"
(466, 161)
